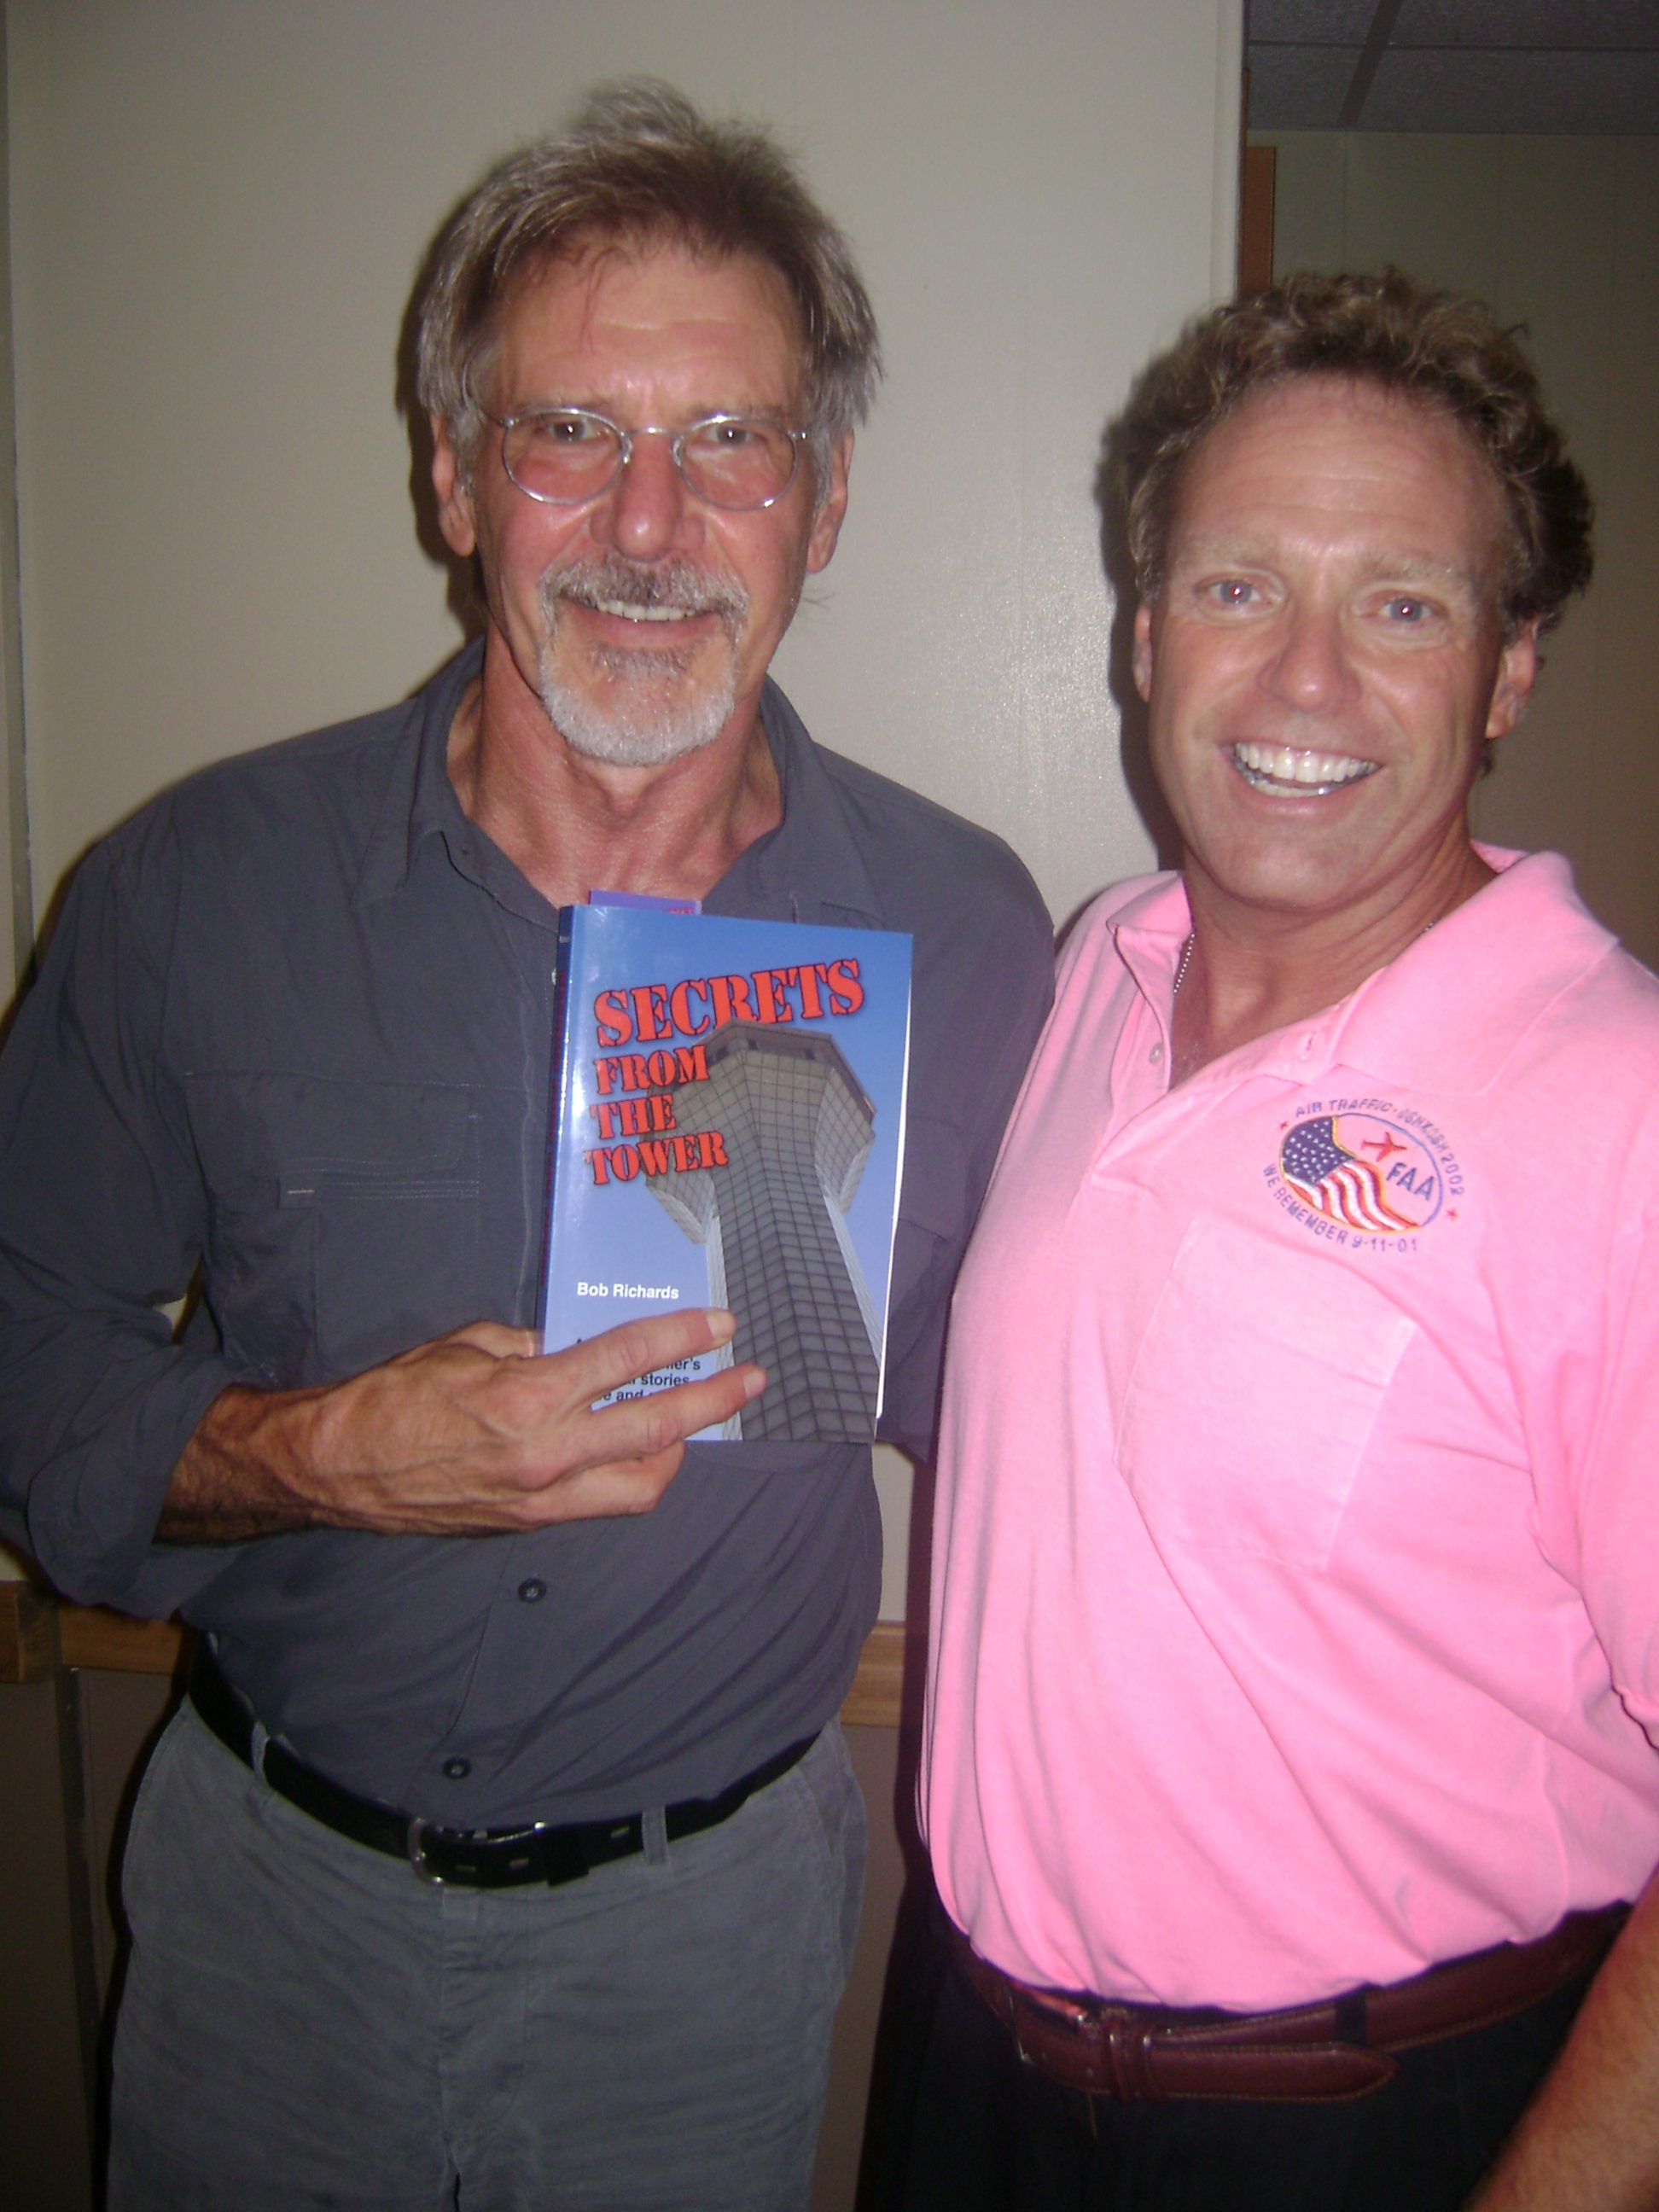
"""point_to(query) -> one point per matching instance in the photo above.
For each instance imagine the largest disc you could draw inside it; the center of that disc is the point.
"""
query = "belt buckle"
(416, 1848)
(531, 1837)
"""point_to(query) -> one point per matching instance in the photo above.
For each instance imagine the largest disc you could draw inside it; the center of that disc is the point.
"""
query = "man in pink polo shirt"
(1290, 1757)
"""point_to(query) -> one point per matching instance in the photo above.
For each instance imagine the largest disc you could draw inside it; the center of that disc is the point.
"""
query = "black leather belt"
(1339, 2048)
(486, 1859)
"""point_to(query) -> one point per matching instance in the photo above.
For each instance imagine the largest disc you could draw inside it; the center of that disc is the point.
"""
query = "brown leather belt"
(1338, 2048)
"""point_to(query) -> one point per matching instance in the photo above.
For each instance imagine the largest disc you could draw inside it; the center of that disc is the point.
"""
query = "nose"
(646, 511)
(1311, 670)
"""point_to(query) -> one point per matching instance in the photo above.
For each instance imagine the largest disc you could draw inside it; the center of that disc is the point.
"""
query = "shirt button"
(457, 1769)
(1156, 1055)
(533, 1591)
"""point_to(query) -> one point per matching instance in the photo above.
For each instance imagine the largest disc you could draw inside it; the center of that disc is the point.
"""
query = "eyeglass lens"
(567, 456)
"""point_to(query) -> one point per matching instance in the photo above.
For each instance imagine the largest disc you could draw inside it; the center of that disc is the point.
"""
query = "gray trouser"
(305, 2023)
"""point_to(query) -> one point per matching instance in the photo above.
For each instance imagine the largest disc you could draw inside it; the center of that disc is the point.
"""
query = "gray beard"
(645, 721)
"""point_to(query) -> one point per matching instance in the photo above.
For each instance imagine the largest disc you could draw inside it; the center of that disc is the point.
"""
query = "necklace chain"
(1181, 972)
(1187, 954)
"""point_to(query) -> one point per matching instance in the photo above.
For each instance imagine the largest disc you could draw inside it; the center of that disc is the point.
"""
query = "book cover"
(728, 1130)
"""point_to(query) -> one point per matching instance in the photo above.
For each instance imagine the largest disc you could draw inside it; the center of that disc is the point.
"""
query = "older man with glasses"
(506, 1849)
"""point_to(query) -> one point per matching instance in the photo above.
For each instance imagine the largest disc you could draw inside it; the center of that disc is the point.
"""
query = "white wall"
(218, 209)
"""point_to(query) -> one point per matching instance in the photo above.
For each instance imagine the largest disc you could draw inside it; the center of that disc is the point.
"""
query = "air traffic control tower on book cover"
(797, 1129)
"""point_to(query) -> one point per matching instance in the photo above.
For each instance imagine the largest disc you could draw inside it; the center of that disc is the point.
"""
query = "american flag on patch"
(1337, 1182)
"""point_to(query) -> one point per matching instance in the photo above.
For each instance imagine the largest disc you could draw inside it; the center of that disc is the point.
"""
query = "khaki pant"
(305, 2023)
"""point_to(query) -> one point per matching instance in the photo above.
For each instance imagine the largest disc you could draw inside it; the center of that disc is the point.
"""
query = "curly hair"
(1439, 348)
(640, 166)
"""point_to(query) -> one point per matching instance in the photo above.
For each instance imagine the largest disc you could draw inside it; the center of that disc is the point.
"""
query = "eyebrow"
(613, 410)
(1225, 549)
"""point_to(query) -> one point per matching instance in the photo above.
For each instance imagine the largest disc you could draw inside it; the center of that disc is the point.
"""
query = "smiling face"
(1325, 663)
(643, 620)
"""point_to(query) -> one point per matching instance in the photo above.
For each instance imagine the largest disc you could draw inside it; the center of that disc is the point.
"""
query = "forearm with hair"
(243, 1472)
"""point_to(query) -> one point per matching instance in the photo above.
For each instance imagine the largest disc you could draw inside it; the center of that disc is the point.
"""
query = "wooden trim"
(26, 1643)
(91, 1636)
(877, 1693)
(97, 1637)
(1257, 183)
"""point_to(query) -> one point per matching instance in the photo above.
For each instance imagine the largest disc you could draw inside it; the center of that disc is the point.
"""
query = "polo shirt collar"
(1449, 1012)
(1151, 930)
(1444, 1014)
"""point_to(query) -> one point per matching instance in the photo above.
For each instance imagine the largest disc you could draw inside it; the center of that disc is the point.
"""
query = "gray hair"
(641, 165)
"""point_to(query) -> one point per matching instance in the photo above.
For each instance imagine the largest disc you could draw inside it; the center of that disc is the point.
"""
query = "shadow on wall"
(1133, 750)
(463, 589)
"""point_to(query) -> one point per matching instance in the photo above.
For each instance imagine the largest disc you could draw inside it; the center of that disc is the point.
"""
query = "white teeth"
(631, 610)
(1277, 768)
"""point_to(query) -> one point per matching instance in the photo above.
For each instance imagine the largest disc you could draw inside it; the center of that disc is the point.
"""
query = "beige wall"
(218, 208)
(1563, 234)
(16, 903)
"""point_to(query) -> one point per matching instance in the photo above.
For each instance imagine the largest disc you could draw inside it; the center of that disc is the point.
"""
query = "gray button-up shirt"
(295, 1024)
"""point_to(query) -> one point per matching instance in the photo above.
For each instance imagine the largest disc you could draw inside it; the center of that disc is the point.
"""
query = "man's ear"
(1142, 656)
(1517, 671)
(455, 517)
(827, 520)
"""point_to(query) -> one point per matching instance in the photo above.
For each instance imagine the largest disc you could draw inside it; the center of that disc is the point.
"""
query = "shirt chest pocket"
(1253, 1395)
(345, 1219)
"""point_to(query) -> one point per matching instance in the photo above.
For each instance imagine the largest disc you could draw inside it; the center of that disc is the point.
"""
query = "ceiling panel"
(1584, 67)
(1562, 24)
(1292, 86)
(1536, 92)
(1311, 22)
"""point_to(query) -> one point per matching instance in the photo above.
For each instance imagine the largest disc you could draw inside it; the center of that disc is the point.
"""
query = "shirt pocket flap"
(1253, 1395)
(345, 1219)
(295, 1131)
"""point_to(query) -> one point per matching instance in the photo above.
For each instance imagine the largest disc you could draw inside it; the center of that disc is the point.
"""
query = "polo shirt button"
(533, 1591)
(1156, 1055)
(457, 1769)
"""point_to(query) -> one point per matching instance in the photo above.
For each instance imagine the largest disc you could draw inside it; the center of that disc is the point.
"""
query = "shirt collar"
(420, 800)
(1448, 1013)
(811, 867)
(1151, 929)
(1444, 1014)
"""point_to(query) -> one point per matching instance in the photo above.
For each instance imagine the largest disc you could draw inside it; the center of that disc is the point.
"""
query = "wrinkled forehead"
(654, 292)
(1360, 454)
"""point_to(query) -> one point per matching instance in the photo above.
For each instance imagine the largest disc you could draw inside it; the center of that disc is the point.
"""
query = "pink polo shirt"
(1296, 1568)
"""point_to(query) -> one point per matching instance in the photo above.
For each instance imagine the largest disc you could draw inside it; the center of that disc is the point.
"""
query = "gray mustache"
(680, 585)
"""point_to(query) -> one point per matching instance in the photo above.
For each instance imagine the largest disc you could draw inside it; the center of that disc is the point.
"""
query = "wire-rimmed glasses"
(565, 456)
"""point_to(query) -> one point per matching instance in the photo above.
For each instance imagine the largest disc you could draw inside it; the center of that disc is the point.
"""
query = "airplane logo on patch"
(1362, 1173)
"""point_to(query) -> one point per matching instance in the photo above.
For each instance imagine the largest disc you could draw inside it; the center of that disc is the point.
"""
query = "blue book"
(728, 1130)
